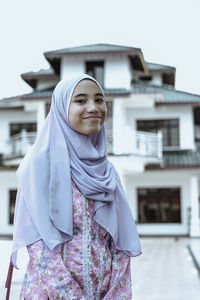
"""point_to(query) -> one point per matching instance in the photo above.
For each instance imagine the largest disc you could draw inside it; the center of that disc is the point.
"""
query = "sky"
(167, 31)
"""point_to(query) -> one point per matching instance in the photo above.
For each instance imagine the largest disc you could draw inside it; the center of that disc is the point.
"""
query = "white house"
(153, 134)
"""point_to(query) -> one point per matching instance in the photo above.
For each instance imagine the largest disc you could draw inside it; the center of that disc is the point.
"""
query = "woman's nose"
(91, 106)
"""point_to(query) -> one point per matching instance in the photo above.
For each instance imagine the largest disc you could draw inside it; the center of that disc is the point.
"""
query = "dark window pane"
(96, 70)
(159, 205)
(12, 199)
(47, 108)
(109, 109)
(16, 128)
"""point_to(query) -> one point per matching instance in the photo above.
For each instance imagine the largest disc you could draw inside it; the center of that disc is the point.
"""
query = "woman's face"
(87, 110)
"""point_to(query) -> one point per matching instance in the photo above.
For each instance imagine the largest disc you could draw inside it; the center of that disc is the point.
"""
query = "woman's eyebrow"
(80, 95)
(85, 95)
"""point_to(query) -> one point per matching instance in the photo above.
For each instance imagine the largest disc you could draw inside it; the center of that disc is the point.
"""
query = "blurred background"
(146, 56)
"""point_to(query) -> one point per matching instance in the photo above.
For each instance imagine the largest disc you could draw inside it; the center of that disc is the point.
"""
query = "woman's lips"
(93, 118)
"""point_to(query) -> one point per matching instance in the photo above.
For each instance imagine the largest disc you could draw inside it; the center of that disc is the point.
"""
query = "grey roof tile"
(178, 159)
(169, 95)
(41, 72)
(156, 67)
(48, 93)
(182, 158)
(92, 48)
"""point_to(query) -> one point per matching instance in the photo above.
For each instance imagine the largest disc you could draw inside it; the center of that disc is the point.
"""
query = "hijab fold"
(44, 204)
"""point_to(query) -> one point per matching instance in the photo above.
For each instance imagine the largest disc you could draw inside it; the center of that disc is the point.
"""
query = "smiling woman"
(87, 111)
(71, 210)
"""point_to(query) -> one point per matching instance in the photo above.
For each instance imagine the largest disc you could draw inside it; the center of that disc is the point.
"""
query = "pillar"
(194, 197)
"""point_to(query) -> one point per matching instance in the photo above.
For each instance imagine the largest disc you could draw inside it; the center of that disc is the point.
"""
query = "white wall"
(117, 72)
(8, 181)
(70, 66)
(116, 66)
(156, 79)
(160, 179)
(45, 83)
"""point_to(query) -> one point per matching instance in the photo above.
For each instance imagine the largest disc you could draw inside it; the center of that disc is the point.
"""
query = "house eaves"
(177, 160)
(54, 56)
(153, 67)
(47, 94)
(32, 77)
(170, 96)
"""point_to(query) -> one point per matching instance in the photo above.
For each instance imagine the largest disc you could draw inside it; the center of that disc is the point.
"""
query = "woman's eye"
(80, 101)
(99, 100)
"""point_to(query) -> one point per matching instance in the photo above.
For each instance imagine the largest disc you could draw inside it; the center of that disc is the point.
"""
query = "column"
(194, 200)
(40, 115)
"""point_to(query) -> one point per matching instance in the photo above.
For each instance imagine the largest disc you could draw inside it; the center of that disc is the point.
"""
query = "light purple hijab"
(44, 207)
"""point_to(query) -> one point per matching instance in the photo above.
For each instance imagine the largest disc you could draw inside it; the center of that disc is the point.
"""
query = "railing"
(20, 143)
(148, 143)
(140, 143)
(109, 137)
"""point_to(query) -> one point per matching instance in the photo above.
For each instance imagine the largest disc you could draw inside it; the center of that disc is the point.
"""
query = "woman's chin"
(90, 131)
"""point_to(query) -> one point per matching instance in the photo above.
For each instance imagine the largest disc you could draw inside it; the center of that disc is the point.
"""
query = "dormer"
(113, 66)
(42, 79)
(159, 75)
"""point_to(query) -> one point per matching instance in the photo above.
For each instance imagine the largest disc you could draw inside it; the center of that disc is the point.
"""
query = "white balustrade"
(20, 143)
(140, 143)
(146, 144)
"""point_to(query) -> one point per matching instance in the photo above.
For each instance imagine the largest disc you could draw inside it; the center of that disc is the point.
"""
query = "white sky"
(167, 31)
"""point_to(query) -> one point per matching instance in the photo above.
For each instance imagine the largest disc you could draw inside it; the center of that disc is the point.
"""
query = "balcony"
(19, 144)
(132, 150)
(133, 144)
(140, 143)
(147, 144)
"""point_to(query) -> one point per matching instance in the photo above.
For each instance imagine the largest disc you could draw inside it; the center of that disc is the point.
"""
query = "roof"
(158, 67)
(48, 93)
(41, 72)
(9, 105)
(92, 48)
(32, 77)
(168, 94)
(178, 159)
(54, 56)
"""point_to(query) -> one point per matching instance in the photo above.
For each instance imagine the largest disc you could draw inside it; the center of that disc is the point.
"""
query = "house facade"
(153, 134)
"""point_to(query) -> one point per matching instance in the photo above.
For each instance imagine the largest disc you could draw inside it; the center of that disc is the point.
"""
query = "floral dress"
(88, 267)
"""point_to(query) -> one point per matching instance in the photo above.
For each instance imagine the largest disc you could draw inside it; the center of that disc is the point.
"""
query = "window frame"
(90, 69)
(22, 125)
(12, 193)
(166, 199)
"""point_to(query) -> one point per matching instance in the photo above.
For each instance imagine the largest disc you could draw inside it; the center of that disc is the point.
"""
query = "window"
(169, 128)
(159, 205)
(146, 78)
(109, 126)
(168, 78)
(47, 108)
(12, 199)
(16, 128)
(197, 125)
(96, 70)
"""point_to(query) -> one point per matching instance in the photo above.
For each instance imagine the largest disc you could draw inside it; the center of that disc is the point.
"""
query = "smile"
(93, 118)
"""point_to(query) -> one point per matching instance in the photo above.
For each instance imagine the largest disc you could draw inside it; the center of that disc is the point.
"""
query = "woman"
(71, 210)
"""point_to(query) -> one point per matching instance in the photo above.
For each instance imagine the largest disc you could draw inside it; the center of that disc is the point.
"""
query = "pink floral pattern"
(89, 267)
